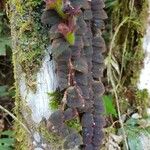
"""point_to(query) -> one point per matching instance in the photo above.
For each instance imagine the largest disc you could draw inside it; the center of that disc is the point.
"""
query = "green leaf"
(109, 106)
(132, 122)
(7, 132)
(7, 141)
(134, 142)
(70, 38)
(4, 147)
(111, 3)
(4, 41)
(3, 91)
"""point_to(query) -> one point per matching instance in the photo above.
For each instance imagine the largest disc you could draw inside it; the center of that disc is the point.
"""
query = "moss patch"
(55, 141)
(31, 36)
(55, 100)
(75, 124)
(142, 101)
(29, 40)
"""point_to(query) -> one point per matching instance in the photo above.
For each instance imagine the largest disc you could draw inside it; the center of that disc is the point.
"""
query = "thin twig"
(15, 118)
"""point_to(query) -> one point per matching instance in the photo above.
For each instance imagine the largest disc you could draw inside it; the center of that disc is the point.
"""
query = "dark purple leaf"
(81, 79)
(98, 58)
(99, 24)
(64, 131)
(70, 113)
(98, 87)
(97, 139)
(87, 14)
(59, 46)
(87, 120)
(53, 33)
(87, 135)
(98, 131)
(73, 98)
(99, 121)
(99, 14)
(87, 42)
(79, 42)
(72, 140)
(98, 3)
(98, 42)
(85, 91)
(97, 70)
(75, 51)
(50, 17)
(80, 65)
(57, 118)
(88, 147)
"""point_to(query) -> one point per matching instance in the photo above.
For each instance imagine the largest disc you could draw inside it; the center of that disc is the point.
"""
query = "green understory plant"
(125, 31)
(7, 141)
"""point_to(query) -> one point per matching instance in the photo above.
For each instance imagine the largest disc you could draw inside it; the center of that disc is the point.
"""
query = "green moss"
(21, 135)
(55, 141)
(142, 101)
(55, 103)
(29, 40)
(31, 36)
(75, 124)
(55, 100)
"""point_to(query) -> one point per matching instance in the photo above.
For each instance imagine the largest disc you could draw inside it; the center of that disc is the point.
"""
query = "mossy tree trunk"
(58, 75)
(33, 71)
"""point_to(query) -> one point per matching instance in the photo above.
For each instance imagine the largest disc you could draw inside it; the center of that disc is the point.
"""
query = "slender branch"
(15, 118)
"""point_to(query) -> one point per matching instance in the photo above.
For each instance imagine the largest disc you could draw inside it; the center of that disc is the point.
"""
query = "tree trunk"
(58, 81)
(144, 81)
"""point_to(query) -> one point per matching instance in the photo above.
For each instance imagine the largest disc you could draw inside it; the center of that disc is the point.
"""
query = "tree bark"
(43, 66)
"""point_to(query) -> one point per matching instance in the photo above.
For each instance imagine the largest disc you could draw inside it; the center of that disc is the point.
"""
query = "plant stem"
(15, 118)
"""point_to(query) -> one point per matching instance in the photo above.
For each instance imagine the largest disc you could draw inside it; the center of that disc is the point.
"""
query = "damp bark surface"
(47, 61)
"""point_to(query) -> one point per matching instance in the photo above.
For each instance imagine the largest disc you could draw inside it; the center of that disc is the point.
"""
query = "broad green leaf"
(134, 142)
(7, 141)
(136, 137)
(7, 132)
(4, 147)
(109, 106)
(132, 122)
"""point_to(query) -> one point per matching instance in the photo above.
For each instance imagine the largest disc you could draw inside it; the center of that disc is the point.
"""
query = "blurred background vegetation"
(6, 81)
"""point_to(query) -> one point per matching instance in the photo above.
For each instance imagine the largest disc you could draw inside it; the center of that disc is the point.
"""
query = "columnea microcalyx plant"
(77, 46)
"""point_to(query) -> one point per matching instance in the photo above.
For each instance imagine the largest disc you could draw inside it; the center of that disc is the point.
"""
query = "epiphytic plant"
(68, 14)
(79, 67)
